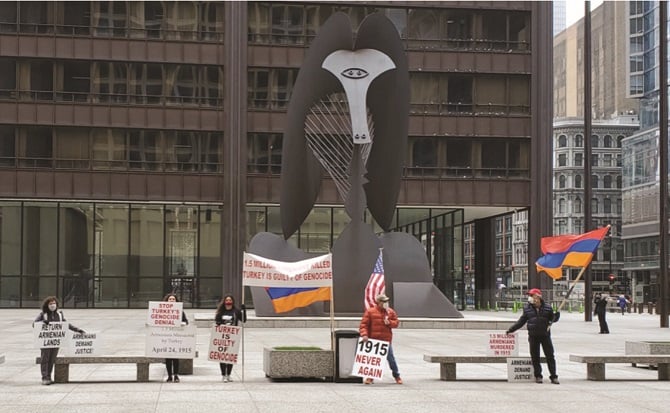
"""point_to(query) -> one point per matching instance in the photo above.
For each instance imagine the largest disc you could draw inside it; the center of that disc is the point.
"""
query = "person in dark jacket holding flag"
(539, 316)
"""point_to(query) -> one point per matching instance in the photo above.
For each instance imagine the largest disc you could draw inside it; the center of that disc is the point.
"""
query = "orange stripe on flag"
(303, 299)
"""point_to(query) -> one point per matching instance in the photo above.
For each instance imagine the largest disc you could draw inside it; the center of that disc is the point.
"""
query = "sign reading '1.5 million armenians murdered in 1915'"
(504, 345)
(224, 344)
(51, 335)
(164, 314)
(370, 359)
(263, 272)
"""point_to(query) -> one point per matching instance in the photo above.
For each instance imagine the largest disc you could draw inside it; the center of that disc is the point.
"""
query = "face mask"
(385, 305)
(531, 300)
(52, 307)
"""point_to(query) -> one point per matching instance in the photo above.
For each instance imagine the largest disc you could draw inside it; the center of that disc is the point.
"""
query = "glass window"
(35, 17)
(181, 20)
(109, 18)
(595, 141)
(181, 151)
(8, 16)
(75, 17)
(579, 141)
(111, 244)
(459, 95)
(594, 181)
(145, 149)
(209, 290)
(210, 155)
(7, 145)
(607, 181)
(259, 22)
(561, 181)
(110, 82)
(210, 241)
(490, 94)
(607, 206)
(264, 153)
(8, 78)
(153, 19)
(423, 24)
(562, 141)
(562, 159)
(212, 19)
(258, 92)
(75, 252)
(579, 157)
(282, 86)
(424, 152)
(211, 86)
(287, 24)
(10, 241)
(459, 153)
(578, 181)
(35, 147)
(72, 148)
(181, 82)
(315, 231)
(146, 242)
(41, 80)
(109, 149)
(40, 239)
(146, 83)
(75, 80)
(578, 205)
(493, 154)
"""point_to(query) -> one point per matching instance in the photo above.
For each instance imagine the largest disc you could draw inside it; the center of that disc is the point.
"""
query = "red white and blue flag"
(376, 284)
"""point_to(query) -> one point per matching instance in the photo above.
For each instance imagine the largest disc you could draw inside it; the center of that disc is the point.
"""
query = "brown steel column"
(541, 208)
(663, 164)
(233, 226)
(588, 194)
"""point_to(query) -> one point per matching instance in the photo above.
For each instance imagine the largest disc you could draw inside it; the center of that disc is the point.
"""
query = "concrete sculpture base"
(298, 363)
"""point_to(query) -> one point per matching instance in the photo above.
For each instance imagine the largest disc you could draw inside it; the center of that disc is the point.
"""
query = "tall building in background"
(140, 142)
(609, 34)
(560, 17)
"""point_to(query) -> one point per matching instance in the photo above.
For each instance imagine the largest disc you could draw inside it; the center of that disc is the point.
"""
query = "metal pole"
(663, 162)
(587, 150)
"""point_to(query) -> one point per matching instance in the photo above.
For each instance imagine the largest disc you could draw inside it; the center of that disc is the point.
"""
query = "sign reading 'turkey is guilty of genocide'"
(51, 335)
(164, 314)
(224, 344)
(504, 345)
(370, 359)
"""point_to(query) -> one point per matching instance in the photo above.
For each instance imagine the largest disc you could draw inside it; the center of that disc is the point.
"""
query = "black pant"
(172, 366)
(48, 356)
(603, 323)
(226, 369)
(534, 343)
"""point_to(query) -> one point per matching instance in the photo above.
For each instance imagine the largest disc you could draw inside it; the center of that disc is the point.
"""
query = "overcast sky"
(574, 10)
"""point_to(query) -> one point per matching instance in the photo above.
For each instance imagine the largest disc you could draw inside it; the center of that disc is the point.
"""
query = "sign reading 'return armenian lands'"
(171, 342)
(51, 335)
(370, 359)
(164, 314)
(224, 344)
(504, 345)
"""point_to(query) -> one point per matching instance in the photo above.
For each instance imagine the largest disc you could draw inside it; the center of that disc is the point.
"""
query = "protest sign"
(224, 344)
(83, 344)
(264, 272)
(171, 342)
(520, 370)
(51, 335)
(370, 359)
(164, 314)
(501, 344)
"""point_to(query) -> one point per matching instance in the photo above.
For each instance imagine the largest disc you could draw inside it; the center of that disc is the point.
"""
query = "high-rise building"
(560, 18)
(140, 142)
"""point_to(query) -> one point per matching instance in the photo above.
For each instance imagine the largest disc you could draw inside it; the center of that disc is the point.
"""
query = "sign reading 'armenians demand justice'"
(263, 272)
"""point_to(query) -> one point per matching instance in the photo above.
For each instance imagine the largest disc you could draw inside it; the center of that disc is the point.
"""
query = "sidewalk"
(481, 388)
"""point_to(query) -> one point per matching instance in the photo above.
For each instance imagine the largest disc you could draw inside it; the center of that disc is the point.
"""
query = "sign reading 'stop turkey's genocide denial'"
(224, 344)
(51, 335)
(164, 314)
(370, 359)
(501, 344)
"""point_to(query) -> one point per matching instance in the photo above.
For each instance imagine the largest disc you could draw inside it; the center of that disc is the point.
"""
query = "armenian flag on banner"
(568, 251)
(287, 299)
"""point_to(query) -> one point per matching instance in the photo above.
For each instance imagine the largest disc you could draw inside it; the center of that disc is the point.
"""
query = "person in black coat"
(228, 314)
(539, 316)
(50, 313)
(600, 309)
(172, 365)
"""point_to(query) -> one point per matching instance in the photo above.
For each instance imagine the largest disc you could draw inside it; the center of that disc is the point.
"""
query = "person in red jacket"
(377, 323)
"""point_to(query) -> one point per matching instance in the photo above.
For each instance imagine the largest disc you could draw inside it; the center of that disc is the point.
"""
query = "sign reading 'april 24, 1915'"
(171, 342)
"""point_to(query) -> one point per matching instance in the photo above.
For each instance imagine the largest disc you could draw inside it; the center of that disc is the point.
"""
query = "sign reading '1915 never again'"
(370, 359)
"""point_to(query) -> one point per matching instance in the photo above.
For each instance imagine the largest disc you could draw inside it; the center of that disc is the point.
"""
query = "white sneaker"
(230, 378)
(225, 379)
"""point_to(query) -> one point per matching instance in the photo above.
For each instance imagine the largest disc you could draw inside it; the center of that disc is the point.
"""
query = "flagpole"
(565, 299)
(243, 329)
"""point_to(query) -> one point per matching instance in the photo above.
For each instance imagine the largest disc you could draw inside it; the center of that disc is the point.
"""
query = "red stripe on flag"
(376, 284)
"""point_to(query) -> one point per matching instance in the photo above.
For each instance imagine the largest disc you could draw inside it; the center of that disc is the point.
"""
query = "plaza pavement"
(480, 388)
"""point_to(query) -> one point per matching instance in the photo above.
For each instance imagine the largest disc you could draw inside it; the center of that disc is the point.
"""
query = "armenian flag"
(287, 299)
(568, 251)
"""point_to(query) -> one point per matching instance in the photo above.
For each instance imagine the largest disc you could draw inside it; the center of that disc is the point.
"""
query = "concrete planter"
(298, 363)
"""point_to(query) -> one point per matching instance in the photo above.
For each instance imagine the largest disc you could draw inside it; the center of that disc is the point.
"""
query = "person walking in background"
(600, 310)
(172, 365)
(378, 323)
(50, 313)
(622, 302)
(228, 314)
(539, 316)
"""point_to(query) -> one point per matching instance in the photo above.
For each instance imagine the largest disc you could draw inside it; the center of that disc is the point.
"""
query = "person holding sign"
(228, 314)
(48, 356)
(172, 365)
(378, 323)
(539, 316)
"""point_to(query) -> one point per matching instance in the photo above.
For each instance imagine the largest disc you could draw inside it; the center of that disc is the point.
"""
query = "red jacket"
(372, 324)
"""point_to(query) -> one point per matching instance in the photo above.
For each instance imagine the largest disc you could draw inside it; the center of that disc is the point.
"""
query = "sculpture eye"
(354, 73)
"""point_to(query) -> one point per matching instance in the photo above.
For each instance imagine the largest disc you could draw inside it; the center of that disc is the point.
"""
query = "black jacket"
(57, 315)
(600, 305)
(230, 317)
(539, 320)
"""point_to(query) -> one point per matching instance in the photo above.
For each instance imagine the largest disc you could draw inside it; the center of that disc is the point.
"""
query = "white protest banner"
(224, 344)
(51, 335)
(83, 344)
(370, 359)
(164, 314)
(171, 342)
(263, 272)
(501, 344)
(520, 370)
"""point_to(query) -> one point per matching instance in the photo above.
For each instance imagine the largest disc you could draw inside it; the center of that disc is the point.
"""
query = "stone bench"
(2, 358)
(62, 366)
(448, 363)
(595, 365)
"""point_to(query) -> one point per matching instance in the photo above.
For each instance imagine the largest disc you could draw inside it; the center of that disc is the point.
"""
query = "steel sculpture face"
(359, 140)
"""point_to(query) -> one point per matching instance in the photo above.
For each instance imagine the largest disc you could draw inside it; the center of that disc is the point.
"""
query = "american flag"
(376, 284)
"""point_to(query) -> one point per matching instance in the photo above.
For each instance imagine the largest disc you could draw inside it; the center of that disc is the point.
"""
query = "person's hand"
(80, 331)
(365, 338)
(386, 320)
(508, 332)
(557, 316)
(183, 323)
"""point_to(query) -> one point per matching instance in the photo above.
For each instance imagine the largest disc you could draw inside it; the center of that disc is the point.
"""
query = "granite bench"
(448, 363)
(2, 358)
(62, 366)
(595, 365)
